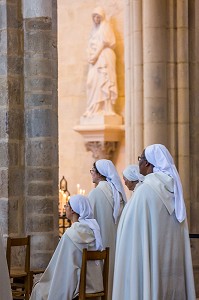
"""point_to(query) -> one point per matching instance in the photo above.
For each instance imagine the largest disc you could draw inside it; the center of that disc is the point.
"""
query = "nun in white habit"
(61, 278)
(5, 288)
(107, 200)
(132, 177)
(153, 257)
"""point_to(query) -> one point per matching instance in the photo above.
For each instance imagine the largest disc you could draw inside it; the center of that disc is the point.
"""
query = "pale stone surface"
(74, 29)
(37, 8)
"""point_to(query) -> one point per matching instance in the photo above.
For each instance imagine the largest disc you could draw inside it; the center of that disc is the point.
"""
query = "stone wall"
(194, 130)
(29, 124)
(74, 26)
(12, 118)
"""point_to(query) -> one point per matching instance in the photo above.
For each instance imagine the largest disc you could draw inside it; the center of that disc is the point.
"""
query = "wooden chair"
(94, 255)
(20, 276)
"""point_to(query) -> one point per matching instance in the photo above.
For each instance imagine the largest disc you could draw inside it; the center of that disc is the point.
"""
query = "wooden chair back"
(20, 276)
(94, 255)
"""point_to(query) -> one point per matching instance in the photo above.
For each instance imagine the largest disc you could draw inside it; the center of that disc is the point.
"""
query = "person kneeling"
(61, 277)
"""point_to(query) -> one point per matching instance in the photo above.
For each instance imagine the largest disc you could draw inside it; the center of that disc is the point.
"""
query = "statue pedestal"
(101, 134)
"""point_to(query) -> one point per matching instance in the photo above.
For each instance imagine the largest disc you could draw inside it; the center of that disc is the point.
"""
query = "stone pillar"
(183, 97)
(41, 127)
(11, 119)
(194, 131)
(172, 79)
(155, 72)
(194, 112)
(134, 79)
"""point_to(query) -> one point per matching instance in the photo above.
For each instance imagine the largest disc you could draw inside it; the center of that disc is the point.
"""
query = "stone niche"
(101, 134)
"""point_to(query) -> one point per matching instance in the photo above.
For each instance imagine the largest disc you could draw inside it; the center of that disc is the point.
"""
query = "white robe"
(5, 288)
(60, 280)
(101, 199)
(153, 257)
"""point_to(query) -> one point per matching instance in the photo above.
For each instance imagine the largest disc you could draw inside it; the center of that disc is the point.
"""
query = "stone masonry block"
(15, 42)
(2, 16)
(16, 179)
(13, 154)
(32, 100)
(16, 123)
(38, 24)
(3, 123)
(40, 189)
(13, 216)
(38, 84)
(15, 88)
(3, 65)
(42, 242)
(37, 8)
(40, 153)
(40, 223)
(55, 70)
(39, 122)
(3, 155)
(3, 91)
(40, 206)
(40, 174)
(12, 15)
(38, 42)
(40, 260)
(3, 183)
(38, 67)
(15, 65)
(4, 215)
(3, 41)
(54, 17)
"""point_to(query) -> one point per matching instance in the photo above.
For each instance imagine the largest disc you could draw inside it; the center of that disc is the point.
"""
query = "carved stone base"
(101, 134)
(101, 149)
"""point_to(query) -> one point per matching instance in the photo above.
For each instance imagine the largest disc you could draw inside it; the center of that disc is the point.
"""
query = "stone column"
(183, 97)
(134, 79)
(172, 79)
(11, 119)
(155, 72)
(41, 123)
(194, 113)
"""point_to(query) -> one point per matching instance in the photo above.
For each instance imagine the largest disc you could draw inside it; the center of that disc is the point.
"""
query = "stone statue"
(101, 81)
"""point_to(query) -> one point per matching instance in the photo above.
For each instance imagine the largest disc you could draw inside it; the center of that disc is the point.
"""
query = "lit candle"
(78, 187)
(64, 202)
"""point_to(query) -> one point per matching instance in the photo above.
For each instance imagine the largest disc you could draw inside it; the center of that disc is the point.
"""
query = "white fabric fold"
(132, 173)
(106, 168)
(161, 159)
(81, 205)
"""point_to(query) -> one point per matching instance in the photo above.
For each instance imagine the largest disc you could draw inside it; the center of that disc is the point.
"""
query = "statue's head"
(98, 15)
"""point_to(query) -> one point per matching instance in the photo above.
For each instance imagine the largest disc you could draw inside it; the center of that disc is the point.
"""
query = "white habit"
(153, 257)
(5, 288)
(101, 199)
(60, 280)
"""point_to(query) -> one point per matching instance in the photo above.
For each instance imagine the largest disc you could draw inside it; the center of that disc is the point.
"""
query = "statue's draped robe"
(61, 278)
(101, 81)
(153, 257)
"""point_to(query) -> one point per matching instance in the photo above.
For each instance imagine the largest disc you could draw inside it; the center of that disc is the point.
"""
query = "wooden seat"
(20, 276)
(94, 255)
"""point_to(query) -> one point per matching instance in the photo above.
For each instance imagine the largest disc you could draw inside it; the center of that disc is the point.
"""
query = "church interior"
(48, 146)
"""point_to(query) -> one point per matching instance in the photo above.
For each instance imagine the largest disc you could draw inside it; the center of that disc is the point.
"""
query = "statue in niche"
(101, 81)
